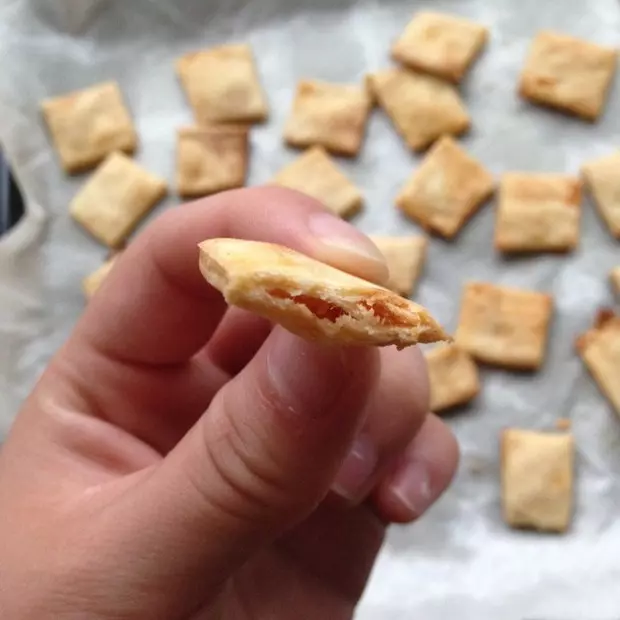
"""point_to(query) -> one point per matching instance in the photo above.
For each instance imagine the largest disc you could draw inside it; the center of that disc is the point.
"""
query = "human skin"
(182, 460)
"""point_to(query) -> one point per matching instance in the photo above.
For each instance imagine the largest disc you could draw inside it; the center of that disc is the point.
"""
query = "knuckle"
(249, 480)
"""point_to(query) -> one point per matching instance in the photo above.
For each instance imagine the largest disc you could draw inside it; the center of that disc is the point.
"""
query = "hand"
(181, 460)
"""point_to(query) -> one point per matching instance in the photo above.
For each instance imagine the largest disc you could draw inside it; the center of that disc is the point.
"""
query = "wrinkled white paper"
(460, 561)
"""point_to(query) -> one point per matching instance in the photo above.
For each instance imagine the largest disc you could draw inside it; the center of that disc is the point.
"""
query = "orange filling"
(325, 310)
(384, 314)
(320, 308)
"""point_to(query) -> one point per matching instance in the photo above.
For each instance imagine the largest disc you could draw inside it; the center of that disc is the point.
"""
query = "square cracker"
(405, 259)
(444, 45)
(614, 278)
(599, 348)
(329, 115)
(88, 125)
(93, 281)
(603, 180)
(537, 479)
(446, 190)
(453, 377)
(115, 198)
(211, 159)
(569, 74)
(538, 213)
(315, 173)
(422, 107)
(312, 299)
(222, 85)
(504, 326)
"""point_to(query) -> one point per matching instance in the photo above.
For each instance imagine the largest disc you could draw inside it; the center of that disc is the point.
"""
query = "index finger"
(158, 310)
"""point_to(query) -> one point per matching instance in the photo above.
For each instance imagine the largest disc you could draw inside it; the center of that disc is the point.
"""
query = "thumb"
(262, 457)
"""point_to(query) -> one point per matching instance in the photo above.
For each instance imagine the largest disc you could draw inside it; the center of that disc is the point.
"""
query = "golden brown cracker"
(538, 213)
(222, 85)
(446, 190)
(599, 349)
(405, 258)
(568, 73)
(504, 326)
(311, 299)
(422, 107)
(87, 125)
(329, 115)
(115, 198)
(537, 479)
(315, 174)
(440, 44)
(211, 159)
(453, 377)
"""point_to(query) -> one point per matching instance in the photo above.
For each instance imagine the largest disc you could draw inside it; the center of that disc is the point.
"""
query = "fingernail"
(339, 235)
(357, 469)
(306, 376)
(413, 488)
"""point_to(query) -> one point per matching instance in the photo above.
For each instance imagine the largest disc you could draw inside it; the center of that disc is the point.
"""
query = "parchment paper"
(460, 561)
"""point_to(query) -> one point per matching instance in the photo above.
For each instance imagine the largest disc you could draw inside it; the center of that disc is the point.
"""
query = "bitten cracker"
(453, 377)
(421, 107)
(538, 213)
(504, 326)
(211, 159)
(92, 282)
(88, 125)
(311, 299)
(537, 479)
(316, 174)
(444, 45)
(599, 348)
(602, 178)
(222, 85)
(569, 74)
(446, 190)
(115, 198)
(329, 115)
(405, 259)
